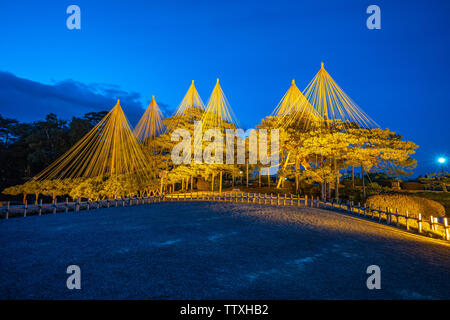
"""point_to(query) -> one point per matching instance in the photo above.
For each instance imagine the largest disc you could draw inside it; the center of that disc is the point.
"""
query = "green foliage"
(374, 188)
(27, 148)
(439, 181)
(320, 151)
(411, 185)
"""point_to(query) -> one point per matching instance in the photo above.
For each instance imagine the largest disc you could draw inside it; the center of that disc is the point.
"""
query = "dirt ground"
(205, 250)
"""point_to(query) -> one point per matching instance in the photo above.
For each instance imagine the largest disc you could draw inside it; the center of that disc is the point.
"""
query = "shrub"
(374, 188)
(402, 202)
(411, 185)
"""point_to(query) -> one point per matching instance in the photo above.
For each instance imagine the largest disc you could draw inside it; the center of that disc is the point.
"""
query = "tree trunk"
(353, 177)
(329, 190)
(259, 177)
(246, 173)
(322, 191)
(336, 189)
(363, 182)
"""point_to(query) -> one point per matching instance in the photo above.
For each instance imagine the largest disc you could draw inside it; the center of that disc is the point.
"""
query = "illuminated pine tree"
(150, 125)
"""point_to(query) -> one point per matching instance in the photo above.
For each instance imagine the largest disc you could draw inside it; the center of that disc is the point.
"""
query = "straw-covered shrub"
(403, 202)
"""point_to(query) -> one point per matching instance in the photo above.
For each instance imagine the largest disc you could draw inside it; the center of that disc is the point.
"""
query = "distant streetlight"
(442, 161)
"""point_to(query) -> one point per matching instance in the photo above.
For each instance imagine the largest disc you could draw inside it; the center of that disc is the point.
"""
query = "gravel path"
(204, 250)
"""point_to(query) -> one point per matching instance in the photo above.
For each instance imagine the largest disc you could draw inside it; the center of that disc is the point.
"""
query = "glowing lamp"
(441, 160)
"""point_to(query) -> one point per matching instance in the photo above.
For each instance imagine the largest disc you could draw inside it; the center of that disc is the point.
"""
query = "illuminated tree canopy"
(110, 148)
(322, 132)
(218, 110)
(150, 125)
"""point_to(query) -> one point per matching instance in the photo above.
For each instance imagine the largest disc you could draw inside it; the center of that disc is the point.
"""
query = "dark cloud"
(28, 100)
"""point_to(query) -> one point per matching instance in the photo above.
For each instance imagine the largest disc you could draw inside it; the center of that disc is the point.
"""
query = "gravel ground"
(204, 250)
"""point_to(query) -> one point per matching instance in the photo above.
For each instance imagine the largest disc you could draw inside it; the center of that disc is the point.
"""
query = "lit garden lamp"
(442, 161)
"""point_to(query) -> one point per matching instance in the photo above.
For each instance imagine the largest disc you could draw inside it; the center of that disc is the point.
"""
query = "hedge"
(402, 202)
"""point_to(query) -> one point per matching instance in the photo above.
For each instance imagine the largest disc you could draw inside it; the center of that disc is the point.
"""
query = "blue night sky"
(135, 49)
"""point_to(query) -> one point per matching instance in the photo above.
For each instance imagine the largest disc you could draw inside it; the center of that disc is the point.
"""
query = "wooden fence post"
(432, 223)
(40, 207)
(419, 223)
(77, 205)
(406, 218)
(25, 209)
(446, 230)
(54, 205)
(388, 216)
(398, 217)
(7, 211)
(67, 204)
